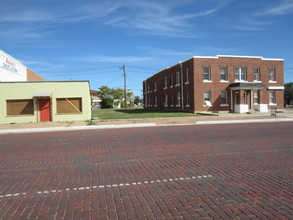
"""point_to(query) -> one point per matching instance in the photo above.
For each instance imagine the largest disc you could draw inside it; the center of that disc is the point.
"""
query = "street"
(231, 171)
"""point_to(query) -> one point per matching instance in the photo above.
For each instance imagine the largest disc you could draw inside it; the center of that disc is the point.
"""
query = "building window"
(256, 74)
(272, 74)
(20, 107)
(187, 99)
(69, 105)
(224, 97)
(172, 100)
(186, 76)
(149, 101)
(272, 97)
(165, 82)
(171, 80)
(178, 99)
(177, 78)
(207, 74)
(224, 74)
(166, 100)
(155, 86)
(255, 97)
(207, 98)
(148, 87)
(156, 101)
(240, 73)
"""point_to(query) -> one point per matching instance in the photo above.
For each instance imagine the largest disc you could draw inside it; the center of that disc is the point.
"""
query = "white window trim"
(241, 80)
(270, 81)
(224, 81)
(208, 105)
(187, 106)
(207, 81)
(276, 87)
(224, 105)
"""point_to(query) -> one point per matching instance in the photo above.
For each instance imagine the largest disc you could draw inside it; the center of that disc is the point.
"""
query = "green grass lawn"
(132, 113)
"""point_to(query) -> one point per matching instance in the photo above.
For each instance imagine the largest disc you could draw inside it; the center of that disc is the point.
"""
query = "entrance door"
(45, 109)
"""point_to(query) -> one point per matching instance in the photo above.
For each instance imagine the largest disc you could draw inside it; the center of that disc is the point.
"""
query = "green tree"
(106, 97)
(137, 100)
(288, 93)
(109, 95)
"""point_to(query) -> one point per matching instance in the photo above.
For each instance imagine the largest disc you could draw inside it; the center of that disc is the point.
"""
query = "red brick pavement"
(238, 171)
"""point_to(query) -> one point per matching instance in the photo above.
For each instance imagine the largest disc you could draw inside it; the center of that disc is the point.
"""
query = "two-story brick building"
(223, 83)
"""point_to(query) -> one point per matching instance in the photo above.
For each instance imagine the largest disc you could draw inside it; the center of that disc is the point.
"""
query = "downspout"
(182, 101)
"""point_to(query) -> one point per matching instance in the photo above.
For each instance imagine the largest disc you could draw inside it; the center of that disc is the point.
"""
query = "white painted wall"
(11, 69)
(242, 108)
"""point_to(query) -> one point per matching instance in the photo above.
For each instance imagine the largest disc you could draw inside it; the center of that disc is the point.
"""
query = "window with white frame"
(187, 98)
(255, 97)
(178, 99)
(156, 101)
(240, 74)
(256, 74)
(206, 73)
(172, 100)
(224, 100)
(207, 98)
(186, 76)
(148, 87)
(165, 82)
(272, 74)
(155, 86)
(224, 74)
(171, 80)
(177, 78)
(272, 97)
(166, 100)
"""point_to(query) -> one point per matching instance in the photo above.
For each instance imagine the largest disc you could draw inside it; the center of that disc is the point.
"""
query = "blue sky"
(90, 40)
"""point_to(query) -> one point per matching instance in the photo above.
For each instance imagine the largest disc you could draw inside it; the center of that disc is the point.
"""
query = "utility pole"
(124, 72)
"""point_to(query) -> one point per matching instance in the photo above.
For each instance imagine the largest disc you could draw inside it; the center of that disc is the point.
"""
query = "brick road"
(237, 171)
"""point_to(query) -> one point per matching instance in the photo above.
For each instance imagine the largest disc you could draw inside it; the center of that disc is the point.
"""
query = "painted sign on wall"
(9, 64)
(11, 69)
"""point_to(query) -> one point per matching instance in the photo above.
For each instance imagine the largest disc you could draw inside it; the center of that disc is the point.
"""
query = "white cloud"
(285, 7)
(146, 16)
(111, 59)
(162, 18)
(195, 51)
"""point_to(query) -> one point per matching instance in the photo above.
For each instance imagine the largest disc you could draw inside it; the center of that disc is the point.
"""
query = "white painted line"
(82, 188)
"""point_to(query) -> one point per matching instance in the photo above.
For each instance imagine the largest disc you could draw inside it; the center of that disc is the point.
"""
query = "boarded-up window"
(69, 105)
(20, 107)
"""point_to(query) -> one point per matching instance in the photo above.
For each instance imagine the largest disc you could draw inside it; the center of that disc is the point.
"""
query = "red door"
(45, 109)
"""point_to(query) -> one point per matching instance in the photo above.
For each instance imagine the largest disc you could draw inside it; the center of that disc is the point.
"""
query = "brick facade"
(32, 76)
(246, 84)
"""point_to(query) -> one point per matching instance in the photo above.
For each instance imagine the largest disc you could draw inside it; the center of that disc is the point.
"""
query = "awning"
(247, 85)
(42, 94)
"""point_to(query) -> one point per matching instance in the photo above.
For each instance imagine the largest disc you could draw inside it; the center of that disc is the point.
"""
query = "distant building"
(96, 100)
(23, 102)
(223, 83)
(12, 70)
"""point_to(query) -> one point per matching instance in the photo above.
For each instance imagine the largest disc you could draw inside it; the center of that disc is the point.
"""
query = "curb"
(98, 127)
(243, 121)
(74, 128)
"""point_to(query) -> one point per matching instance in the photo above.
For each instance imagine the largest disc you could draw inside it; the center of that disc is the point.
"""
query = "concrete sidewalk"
(147, 122)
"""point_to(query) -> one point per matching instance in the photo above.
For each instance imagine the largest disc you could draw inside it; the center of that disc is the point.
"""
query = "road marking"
(83, 188)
